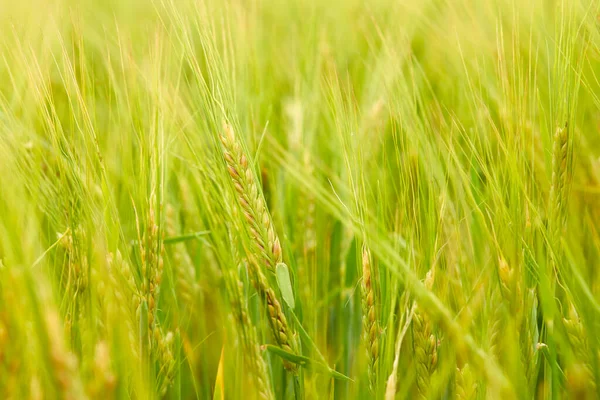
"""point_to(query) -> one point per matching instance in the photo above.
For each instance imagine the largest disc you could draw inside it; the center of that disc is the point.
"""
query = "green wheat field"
(303, 199)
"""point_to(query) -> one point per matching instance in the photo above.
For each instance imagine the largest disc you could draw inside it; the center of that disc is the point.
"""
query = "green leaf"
(322, 365)
(176, 389)
(286, 355)
(338, 375)
(183, 238)
(219, 391)
(306, 362)
(285, 284)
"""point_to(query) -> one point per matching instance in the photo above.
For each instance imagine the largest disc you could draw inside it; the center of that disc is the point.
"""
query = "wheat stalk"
(390, 389)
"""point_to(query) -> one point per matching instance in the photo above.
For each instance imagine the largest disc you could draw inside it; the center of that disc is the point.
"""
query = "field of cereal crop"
(259, 199)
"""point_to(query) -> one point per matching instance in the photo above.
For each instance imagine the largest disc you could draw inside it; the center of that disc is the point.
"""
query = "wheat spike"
(152, 266)
(527, 337)
(425, 344)
(264, 239)
(164, 356)
(252, 355)
(279, 325)
(64, 363)
(104, 382)
(266, 248)
(466, 385)
(370, 324)
(580, 369)
(495, 322)
(558, 190)
(255, 363)
(125, 290)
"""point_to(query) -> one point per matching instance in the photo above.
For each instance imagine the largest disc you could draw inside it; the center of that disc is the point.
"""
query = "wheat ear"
(252, 356)
(164, 356)
(425, 344)
(370, 324)
(64, 362)
(580, 377)
(105, 381)
(266, 248)
(264, 239)
(558, 191)
(466, 384)
(152, 265)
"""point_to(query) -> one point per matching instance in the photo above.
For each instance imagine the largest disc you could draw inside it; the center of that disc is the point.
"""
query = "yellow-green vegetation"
(264, 199)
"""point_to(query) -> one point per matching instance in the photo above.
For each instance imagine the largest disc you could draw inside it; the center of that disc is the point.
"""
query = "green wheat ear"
(370, 324)
(559, 189)
(425, 344)
(266, 249)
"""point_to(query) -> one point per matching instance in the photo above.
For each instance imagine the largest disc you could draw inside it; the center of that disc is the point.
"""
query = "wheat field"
(303, 199)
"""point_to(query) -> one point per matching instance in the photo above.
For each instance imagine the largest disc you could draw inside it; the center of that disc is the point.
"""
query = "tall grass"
(302, 199)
